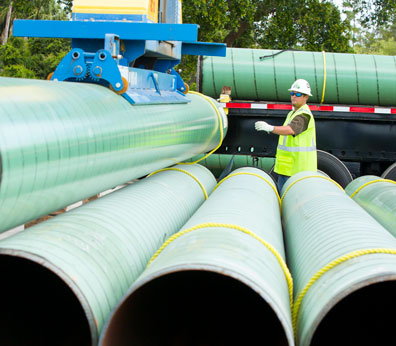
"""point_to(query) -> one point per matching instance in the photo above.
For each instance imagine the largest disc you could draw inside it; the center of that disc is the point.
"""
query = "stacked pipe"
(378, 197)
(221, 280)
(343, 264)
(63, 142)
(62, 277)
(262, 74)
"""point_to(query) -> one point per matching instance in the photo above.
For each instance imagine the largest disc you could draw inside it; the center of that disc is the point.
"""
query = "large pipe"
(62, 277)
(334, 77)
(222, 280)
(216, 163)
(378, 197)
(343, 264)
(63, 142)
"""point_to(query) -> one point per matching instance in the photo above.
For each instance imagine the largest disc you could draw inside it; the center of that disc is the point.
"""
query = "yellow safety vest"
(297, 153)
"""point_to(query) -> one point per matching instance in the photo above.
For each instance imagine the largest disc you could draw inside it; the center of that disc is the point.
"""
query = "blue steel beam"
(162, 44)
(203, 48)
(98, 30)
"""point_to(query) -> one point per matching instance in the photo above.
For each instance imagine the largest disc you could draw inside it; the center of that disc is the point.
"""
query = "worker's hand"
(263, 126)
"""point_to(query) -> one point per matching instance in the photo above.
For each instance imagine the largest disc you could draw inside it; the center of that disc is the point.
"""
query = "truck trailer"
(353, 103)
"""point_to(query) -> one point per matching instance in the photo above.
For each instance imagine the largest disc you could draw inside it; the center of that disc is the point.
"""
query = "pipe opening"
(194, 308)
(38, 308)
(365, 317)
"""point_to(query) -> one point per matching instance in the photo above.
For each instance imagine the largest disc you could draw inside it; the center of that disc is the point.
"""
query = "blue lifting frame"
(135, 60)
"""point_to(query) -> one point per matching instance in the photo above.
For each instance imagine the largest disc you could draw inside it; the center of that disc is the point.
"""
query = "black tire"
(273, 174)
(390, 172)
(330, 166)
(324, 173)
(334, 168)
(270, 173)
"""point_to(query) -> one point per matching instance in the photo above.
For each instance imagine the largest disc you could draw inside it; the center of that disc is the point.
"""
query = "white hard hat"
(302, 86)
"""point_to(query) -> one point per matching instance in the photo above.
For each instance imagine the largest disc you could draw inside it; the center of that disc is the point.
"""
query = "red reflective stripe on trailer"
(361, 110)
(321, 108)
(273, 106)
(313, 108)
(238, 105)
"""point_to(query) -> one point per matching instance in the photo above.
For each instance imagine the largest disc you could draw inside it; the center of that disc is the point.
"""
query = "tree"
(374, 12)
(314, 25)
(320, 28)
(228, 20)
(5, 23)
(374, 29)
(276, 24)
(32, 58)
(67, 5)
(28, 9)
(352, 15)
(35, 57)
(382, 41)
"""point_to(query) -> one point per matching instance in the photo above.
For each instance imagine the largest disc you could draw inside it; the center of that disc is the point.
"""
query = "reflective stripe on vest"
(286, 148)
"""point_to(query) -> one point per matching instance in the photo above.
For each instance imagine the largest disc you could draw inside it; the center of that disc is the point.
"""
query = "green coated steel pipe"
(216, 163)
(343, 264)
(215, 282)
(341, 78)
(378, 197)
(62, 277)
(62, 142)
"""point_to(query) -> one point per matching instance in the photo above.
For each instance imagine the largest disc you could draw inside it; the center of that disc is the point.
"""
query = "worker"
(296, 149)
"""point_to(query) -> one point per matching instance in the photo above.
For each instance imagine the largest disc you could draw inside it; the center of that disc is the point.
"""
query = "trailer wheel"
(334, 168)
(390, 172)
(331, 166)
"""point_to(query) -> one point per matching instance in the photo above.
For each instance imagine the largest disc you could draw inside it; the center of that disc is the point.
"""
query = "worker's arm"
(283, 130)
(278, 130)
(299, 124)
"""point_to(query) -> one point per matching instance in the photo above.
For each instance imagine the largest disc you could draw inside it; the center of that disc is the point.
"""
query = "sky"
(338, 3)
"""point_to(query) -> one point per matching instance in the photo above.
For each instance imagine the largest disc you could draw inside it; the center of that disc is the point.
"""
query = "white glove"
(263, 126)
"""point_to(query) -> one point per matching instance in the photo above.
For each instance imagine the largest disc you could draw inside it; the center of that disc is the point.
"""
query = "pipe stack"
(343, 264)
(378, 197)
(265, 74)
(62, 277)
(63, 142)
(221, 280)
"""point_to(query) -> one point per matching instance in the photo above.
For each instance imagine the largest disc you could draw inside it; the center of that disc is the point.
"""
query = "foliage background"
(363, 26)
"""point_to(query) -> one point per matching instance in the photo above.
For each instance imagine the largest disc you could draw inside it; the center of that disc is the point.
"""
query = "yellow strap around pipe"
(183, 171)
(372, 182)
(310, 176)
(324, 75)
(255, 175)
(329, 266)
(220, 124)
(281, 261)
